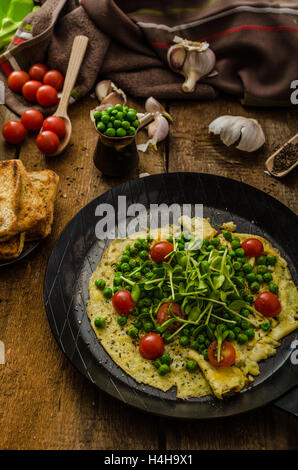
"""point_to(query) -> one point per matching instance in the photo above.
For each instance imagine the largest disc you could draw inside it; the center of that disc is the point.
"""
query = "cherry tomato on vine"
(37, 71)
(55, 124)
(163, 315)
(54, 78)
(160, 250)
(253, 247)
(47, 95)
(47, 142)
(14, 132)
(17, 79)
(122, 302)
(32, 119)
(151, 346)
(227, 354)
(267, 304)
(30, 89)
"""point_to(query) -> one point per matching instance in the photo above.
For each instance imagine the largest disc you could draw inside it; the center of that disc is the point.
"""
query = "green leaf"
(218, 281)
(135, 293)
(194, 314)
(237, 305)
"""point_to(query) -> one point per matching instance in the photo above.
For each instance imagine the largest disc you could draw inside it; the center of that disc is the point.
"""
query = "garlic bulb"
(232, 129)
(153, 106)
(157, 131)
(191, 59)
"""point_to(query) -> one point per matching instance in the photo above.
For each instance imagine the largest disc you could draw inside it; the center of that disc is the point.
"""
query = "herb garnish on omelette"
(200, 319)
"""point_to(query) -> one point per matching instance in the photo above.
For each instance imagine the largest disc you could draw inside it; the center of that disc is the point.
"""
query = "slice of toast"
(10, 193)
(13, 247)
(46, 183)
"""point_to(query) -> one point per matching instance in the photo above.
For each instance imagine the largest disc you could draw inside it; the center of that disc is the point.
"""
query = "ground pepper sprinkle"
(286, 158)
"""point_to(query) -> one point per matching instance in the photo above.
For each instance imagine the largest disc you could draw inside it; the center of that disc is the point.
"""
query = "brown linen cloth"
(255, 44)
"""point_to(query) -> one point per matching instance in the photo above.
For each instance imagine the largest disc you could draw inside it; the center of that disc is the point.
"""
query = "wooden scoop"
(270, 161)
(76, 58)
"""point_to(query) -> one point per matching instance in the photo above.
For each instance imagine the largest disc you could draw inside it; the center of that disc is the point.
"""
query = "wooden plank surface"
(44, 402)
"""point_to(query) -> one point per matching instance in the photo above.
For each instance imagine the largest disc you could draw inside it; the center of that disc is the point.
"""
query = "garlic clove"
(157, 131)
(154, 106)
(232, 129)
(196, 62)
(107, 88)
(113, 98)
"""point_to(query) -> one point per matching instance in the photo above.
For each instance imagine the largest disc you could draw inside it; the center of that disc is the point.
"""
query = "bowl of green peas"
(116, 125)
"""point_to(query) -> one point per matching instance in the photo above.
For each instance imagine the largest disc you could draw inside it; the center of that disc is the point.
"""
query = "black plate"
(78, 251)
(28, 248)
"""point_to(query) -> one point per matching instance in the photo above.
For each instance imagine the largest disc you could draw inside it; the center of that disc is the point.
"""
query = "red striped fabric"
(5, 66)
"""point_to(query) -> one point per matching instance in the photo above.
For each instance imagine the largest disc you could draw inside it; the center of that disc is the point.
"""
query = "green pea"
(135, 123)
(261, 260)
(156, 363)
(105, 118)
(247, 268)
(114, 112)
(194, 345)
(99, 322)
(250, 298)
(267, 277)
(210, 247)
(101, 127)
(121, 132)
(166, 359)
(131, 131)
(125, 267)
(232, 253)
(118, 107)
(118, 266)
(240, 252)
(206, 241)
(261, 269)
(143, 255)
(117, 281)
(235, 244)
(212, 325)
(132, 263)
(251, 277)
(242, 338)
(271, 260)
(122, 320)
(245, 324)
(163, 369)
(254, 287)
(273, 288)
(131, 115)
(117, 124)
(201, 339)
(133, 332)
(230, 335)
(120, 116)
(148, 326)
(133, 251)
(97, 115)
(265, 326)
(259, 278)
(138, 245)
(245, 312)
(215, 241)
(250, 333)
(227, 235)
(110, 132)
(137, 276)
(107, 293)
(100, 284)
(237, 265)
(237, 330)
(191, 365)
(149, 275)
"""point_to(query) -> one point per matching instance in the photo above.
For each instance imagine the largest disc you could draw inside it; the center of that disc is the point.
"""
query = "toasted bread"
(10, 193)
(46, 184)
(13, 247)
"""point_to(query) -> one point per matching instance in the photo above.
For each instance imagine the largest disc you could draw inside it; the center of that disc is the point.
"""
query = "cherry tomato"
(32, 119)
(17, 79)
(14, 132)
(122, 302)
(163, 315)
(47, 95)
(47, 142)
(227, 354)
(37, 71)
(55, 124)
(151, 346)
(268, 304)
(253, 247)
(54, 78)
(160, 250)
(30, 89)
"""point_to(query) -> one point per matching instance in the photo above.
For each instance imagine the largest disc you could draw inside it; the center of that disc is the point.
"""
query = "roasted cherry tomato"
(151, 346)
(30, 89)
(163, 315)
(54, 78)
(14, 132)
(37, 71)
(55, 124)
(47, 95)
(268, 304)
(32, 119)
(122, 302)
(253, 247)
(17, 79)
(160, 250)
(47, 142)
(227, 354)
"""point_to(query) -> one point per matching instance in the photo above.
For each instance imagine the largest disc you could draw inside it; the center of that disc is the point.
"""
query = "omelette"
(193, 312)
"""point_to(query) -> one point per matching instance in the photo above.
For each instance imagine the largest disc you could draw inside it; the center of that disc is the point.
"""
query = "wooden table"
(44, 401)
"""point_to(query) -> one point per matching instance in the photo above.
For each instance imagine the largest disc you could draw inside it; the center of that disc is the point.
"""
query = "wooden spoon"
(76, 58)
(270, 161)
